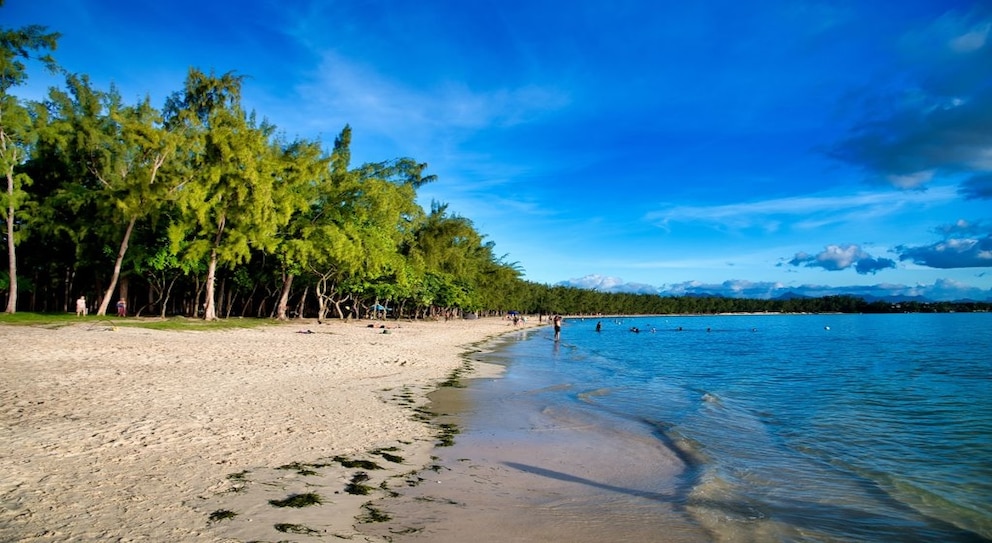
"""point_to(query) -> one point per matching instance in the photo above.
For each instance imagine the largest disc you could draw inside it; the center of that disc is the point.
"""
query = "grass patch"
(287, 528)
(360, 464)
(222, 514)
(298, 500)
(58, 320)
(373, 514)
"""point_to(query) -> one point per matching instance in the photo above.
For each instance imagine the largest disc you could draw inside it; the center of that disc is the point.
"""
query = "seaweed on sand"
(303, 469)
(356, 487)
(373, 515)
(298, 500)
(386, 454)
(222, 514)
(361, 464)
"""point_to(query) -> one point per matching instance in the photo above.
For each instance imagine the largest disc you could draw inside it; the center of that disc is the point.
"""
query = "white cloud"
(838, 257)
(972, 40)
(604, 283)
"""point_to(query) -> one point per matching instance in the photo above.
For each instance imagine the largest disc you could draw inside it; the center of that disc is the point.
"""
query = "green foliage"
(20, 45)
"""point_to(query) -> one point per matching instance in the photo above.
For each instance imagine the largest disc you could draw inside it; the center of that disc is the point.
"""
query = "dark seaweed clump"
(222, 514)
(360, 464)
(356, 487)
(298, 500)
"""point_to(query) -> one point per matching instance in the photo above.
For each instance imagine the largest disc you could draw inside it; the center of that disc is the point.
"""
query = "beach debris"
(288, 528)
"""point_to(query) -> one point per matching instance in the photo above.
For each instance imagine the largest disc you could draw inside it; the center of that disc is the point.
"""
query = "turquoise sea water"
(792, 427)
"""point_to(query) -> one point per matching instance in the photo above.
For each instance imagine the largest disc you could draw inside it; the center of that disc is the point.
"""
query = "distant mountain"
(942, 290)
(897, 299)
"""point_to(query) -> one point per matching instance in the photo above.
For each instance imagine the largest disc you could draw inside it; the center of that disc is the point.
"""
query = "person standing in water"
(557, 322)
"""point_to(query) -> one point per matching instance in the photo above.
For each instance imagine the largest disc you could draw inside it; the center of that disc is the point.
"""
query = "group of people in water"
(556, 322)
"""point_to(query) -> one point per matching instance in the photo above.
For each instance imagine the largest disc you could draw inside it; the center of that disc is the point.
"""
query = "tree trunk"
(287, 284)
(303, 303)
(167, 295)
(11, 258)
(209, 311)
(117, 269)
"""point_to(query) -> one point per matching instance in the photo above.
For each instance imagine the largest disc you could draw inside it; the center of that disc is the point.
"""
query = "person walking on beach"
(557, 322)
(81, 306)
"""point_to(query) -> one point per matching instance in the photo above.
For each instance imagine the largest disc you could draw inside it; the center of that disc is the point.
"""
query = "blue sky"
(744, 148)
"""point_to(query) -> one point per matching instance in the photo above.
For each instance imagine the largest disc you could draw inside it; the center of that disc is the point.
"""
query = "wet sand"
(525, 470)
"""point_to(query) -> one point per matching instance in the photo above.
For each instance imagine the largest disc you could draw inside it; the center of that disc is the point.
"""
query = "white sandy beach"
(130, 434)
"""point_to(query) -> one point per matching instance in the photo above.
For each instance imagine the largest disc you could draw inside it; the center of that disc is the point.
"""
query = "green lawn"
(56, 320)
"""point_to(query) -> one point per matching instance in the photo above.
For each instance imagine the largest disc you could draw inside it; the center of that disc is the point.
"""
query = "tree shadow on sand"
(834, 520)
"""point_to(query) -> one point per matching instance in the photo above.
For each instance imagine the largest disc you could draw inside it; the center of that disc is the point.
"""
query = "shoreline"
(132, 434)
(525, 467)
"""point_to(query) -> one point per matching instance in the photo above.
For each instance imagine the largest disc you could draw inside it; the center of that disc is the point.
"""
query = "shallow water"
(734, 428)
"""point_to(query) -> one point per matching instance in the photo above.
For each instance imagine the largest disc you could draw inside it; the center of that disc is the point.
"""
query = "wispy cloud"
(341, 90)
(812, 211)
